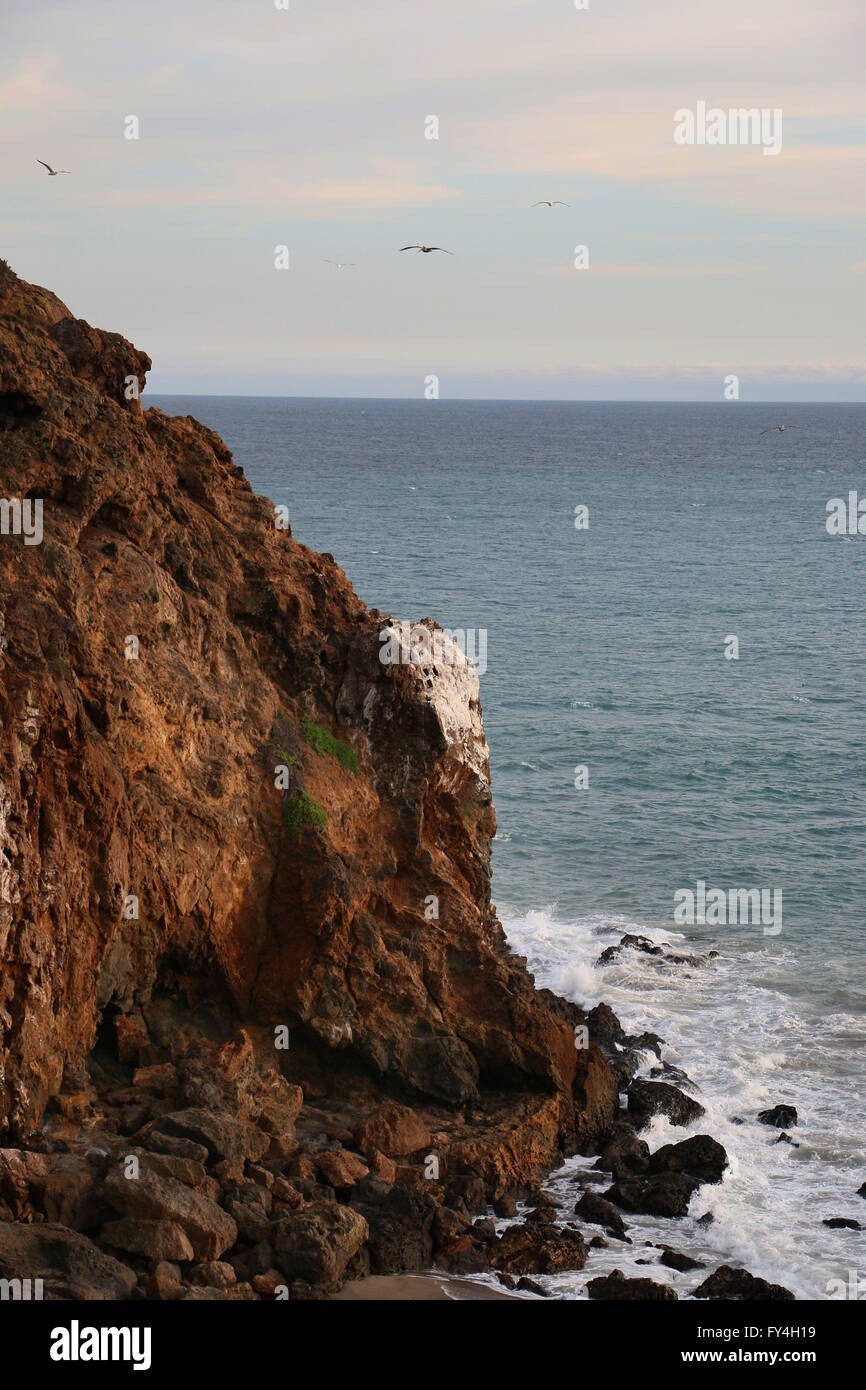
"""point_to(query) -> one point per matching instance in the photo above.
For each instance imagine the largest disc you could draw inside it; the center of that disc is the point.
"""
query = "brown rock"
(223, 1136)
(70, 1265)
(382, 1167)
(616, 1286)
(316, 1244)
(269, 1284)
(539, 1249)
(159, 1240)
(739, 1285)
(340, 1169)
(393, 1130)
(156, 1197)
(213, 1274)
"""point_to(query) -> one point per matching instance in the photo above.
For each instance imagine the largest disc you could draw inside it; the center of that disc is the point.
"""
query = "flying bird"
(338, 264)
(52, 173)
(546, 203)
(770, 428)
(426, 249)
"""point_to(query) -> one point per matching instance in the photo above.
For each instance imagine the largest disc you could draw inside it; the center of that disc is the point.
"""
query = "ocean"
(673, 694)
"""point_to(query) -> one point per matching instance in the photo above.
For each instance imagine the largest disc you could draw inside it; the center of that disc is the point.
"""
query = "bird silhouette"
(770, 428)
(546, 203)
(52, 173)
(426, 249)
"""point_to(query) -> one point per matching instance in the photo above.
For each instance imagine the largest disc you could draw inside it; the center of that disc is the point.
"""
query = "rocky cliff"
(244, 865)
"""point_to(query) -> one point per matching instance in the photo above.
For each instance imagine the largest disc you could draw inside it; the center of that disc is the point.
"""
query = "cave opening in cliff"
(17, 408)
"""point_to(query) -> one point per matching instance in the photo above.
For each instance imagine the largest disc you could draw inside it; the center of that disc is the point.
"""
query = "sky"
(306, 128)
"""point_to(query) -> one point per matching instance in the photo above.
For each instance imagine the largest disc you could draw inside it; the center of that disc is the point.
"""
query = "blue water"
(606, 649)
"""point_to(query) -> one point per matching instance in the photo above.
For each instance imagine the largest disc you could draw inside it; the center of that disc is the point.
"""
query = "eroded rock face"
(162, 648)
(259, 1024)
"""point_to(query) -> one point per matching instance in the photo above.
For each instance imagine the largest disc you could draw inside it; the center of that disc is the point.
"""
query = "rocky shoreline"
(261, 1034)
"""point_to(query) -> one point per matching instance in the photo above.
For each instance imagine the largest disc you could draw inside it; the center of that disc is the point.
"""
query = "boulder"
(177, 1148)
(158, 1240)
(599, 1212)
(739, 1285)
(704, 1158)
(400, 1223)
(341, 1169)
(393, 1130)
(221, 1134)
(842, 1223)
(155, 1197)
(648, 1098)
(316, 1244)
(657, 1194)
(616, 1286)
(622, 1152)
(70, 1265)
(675, 1259)
(539, 1249)
(781, 1116)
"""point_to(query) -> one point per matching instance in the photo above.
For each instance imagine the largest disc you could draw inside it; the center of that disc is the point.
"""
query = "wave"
(749, 1037)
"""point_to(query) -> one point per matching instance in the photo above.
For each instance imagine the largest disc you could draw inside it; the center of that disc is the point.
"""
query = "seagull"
(52, 173)
(338, 264)
(770, 428)
(426, 249)
(546, 203)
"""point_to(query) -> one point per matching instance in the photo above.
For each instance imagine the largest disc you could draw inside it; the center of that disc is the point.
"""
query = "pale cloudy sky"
(306, 127)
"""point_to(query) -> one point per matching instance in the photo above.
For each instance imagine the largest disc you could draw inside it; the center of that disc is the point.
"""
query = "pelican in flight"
(770, 428)
(426, 249)
(546, 203)
(52, 173)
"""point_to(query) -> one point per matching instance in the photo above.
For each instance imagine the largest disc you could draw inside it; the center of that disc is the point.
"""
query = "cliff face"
(212, 789)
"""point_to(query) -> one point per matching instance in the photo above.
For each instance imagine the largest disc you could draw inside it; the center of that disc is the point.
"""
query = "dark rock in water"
(735, 1120)
(545, 1213)
(700, 1156)
(616, 1286)
(782, 1116)
(599, 1243)
(842, 1223)
(604, 1025)
(505, 1206)
(861, 1190)
(648, 1098)
(662, 1194)
(675, 1259)
(622, 1152)
(646, 1042)
(506, 1281)
(530, 1286)
(528, 1249)
(786, 1139)
(707, 1219)
(600, 1213)
(637, 943)
(667, 1072)
(739, 1285)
